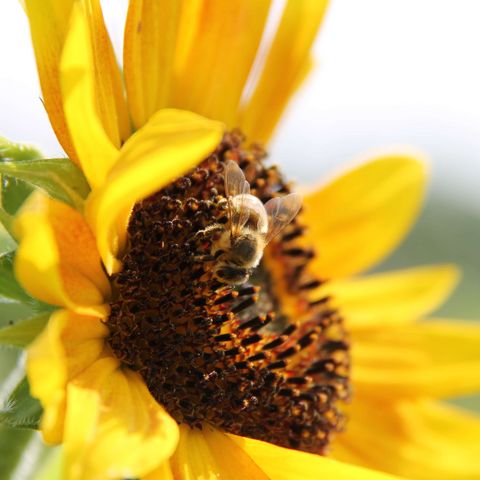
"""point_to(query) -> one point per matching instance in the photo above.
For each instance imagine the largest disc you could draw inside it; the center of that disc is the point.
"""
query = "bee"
(239, 244)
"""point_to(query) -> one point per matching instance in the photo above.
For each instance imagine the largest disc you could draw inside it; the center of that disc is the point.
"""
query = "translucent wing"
(251, 209)
(281, 211)
(234, 180)
(236, 186)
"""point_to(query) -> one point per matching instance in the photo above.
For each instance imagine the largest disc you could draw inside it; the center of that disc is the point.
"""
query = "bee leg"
(200, 233)
(204, 258)
(209, 230)
(208, 257)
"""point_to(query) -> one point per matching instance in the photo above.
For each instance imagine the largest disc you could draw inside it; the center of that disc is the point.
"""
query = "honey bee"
(238, 247)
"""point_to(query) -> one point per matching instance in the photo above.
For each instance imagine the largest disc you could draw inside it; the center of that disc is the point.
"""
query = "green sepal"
(23, 332)
(21, 410)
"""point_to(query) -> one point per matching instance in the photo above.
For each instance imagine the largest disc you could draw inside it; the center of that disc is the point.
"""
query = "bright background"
(389, 73)
(401, 72)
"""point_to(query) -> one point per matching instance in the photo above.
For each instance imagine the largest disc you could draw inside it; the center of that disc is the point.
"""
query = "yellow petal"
(447, 436)
(286, 66)
(48, 26)
(164, 472)
(57, 260)
(210, 454)
(170, 144)
(218, 44)
(421, 440)
(111, 103)
(286, 464)
(434, 358)
(90, 92)
(113, 426)
(358, 218)
(148, 55)
(391, 299)
(68, 345)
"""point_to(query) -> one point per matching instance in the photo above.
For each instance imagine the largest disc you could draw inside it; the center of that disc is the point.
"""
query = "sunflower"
(152, 368)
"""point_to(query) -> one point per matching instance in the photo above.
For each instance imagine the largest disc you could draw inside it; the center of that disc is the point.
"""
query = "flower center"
(261, 359)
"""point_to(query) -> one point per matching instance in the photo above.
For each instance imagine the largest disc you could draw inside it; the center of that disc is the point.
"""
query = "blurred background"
(401, 72)
(389, 73)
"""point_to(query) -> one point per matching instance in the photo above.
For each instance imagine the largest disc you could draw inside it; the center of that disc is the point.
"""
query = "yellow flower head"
(153, 368)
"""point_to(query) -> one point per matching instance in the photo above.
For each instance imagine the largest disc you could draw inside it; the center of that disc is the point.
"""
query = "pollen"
(232, 357)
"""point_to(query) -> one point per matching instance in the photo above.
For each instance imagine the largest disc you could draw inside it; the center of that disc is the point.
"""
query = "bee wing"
(281, 211)
(234, 180)
(236, 186)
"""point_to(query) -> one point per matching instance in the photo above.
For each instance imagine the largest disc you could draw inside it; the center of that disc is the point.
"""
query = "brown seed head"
(231, 357)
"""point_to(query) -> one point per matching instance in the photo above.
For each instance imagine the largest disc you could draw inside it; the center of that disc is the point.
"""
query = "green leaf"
(20, 314)
(17, 151)
(14, 193)
(58, 177)
(6, 234)
(12, 445)
(52, 467)
(10, 289)
(10, 361)
(23, 454)
(11, 313)
(23, 168)
(21, 410)
(23, 332)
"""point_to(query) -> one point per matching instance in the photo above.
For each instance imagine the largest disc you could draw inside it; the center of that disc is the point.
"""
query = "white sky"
(390, 72)
(393, 72)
